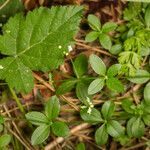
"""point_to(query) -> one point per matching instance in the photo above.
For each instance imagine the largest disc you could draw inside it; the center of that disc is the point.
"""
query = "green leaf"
(29, 43)
(147, 16)
(147, 94)
(115, 129)
(114, 84)
(80, 146)
(80, 65)
(105, 41)
(92, 36)
(1, 119)
(96, 86)
(97, 64)
(108, 109)
(82, 92)
(113, 70)
(60, 129)
(115, 49)
(4, 140)
(126, 105)
(109, 26)
(138, 128)
(129, 126)
(37, 118)
(66, 86)
(146, 119)
(52, 108)
(94, 117)
(40, 134)
(132, 10)
(141, 76)
(101, 135)
(94, 22)
(10, 8)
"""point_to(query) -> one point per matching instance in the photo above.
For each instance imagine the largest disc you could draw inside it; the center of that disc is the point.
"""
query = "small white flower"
(70, 48)
(1, 67)
(89, 110)
(59, 46)
(83, 107)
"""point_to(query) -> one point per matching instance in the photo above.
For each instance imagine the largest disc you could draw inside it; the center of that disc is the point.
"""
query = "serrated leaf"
(92, 36)
(30, 43)
(10, 8)
(115, 129)
(94, 117)
(105, 41)
(101, 135)
(66, 86)
(109, 26)
(96, 86)
(60, 129)
(80, 65)
(40, 134)
(114, 84)
(147, 94)
(37, 118)
(52, 108)
(108, 109)
(141, 76)
(97, 64)
(94, 22)
(4, 140)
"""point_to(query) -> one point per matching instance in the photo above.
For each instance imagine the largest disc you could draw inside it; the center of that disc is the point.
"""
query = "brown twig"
(4, 4)
(94, 49)
(53, 90)
(19, 136)
(134, 147)
(61, 139)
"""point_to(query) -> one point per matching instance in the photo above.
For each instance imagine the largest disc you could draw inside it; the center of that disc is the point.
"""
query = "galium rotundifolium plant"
(138, 115)
(108, 125)
(47, 122)
(100, 32)
(106, 76)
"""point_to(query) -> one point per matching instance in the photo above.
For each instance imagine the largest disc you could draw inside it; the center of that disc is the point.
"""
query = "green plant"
(47, 122)
(5, 139)
(80, 82)
(107, 76)
(80, 146)
(134, 37)
(109, 126)
(29, 43)
(100, 32)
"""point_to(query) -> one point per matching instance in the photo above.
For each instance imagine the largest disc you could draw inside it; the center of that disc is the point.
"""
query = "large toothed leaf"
(36, 42)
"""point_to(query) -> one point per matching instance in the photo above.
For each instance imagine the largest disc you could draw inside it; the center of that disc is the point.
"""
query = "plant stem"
(17, 100)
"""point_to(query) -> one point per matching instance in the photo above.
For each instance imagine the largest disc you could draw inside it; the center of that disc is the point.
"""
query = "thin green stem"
(17, 100)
